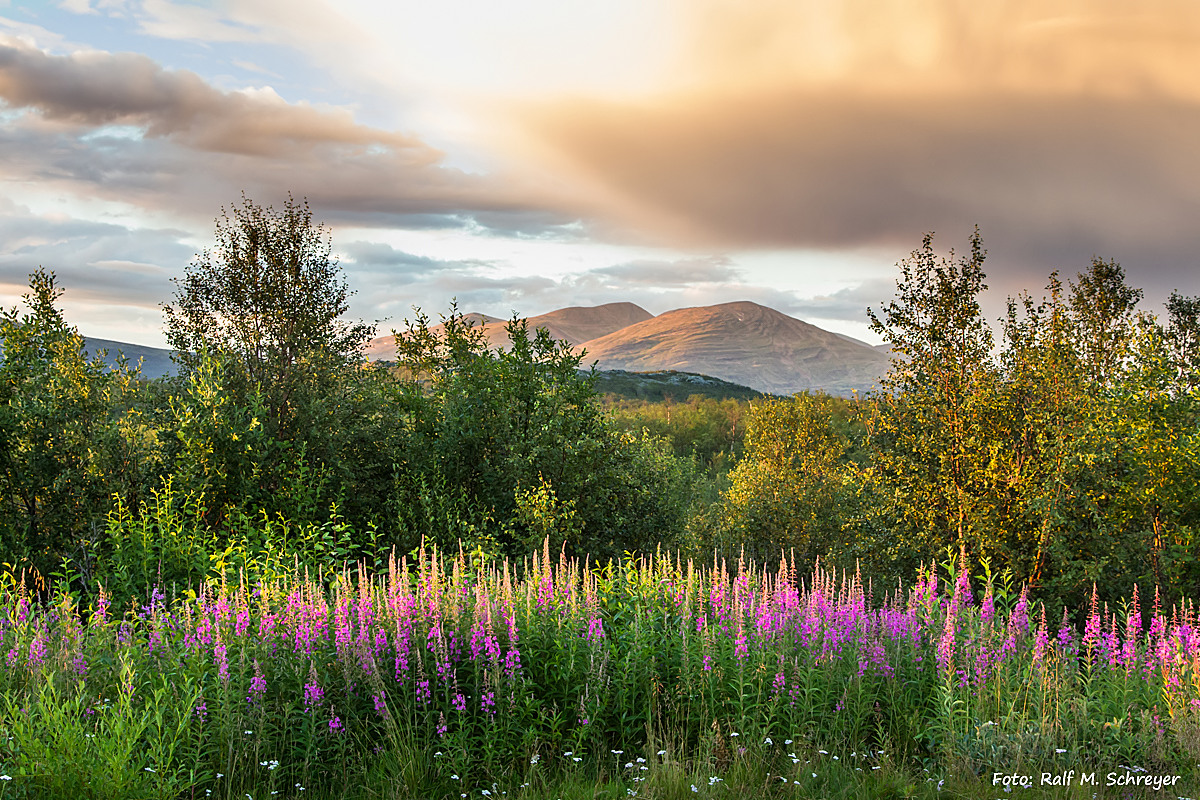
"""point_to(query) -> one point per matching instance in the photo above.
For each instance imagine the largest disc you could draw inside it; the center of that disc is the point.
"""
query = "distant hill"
(742, 345)
(574, 325)
(745, 343)
(156, 361)
(677, 386)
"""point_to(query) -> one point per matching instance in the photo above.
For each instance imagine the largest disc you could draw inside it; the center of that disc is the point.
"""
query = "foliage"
(439, 676)
(928, 427)
(62, 420)
(788, 492)
(487, 427)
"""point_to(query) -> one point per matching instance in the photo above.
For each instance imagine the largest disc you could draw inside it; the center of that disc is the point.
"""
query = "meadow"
(653, 676)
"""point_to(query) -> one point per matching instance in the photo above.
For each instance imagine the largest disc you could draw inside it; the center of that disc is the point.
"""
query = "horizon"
(546, 156)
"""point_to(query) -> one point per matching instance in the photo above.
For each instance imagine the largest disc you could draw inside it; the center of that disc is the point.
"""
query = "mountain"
(744, 343)
(575, 325)
(156, 361)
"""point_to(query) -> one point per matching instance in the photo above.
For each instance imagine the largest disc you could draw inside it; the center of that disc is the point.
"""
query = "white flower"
(453, 777)
(768, 740)
(1059, 751)
(5, 777)
(485, 793)
(150, 769)
(576, 759)
(662, 752)
(735, 733)
(787, 741)
(694, 789)
(641, 760)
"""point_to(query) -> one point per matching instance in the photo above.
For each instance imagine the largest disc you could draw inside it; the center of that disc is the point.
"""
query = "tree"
(1183, 339)
(788, 490)
(927, 432)
(258, 327)
(503, 441)
(61, 451)
(270, 293)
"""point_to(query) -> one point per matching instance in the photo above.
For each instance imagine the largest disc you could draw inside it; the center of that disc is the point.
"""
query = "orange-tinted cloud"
(1064, 129)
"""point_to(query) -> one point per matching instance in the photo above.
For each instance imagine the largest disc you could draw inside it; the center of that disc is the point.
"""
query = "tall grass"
(444, 677)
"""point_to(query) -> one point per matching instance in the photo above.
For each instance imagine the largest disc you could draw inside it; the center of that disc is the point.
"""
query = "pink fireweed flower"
(987, 611)
(460, 702)
(1041, 640)
(962, 589)
(258, 686)
(101, 614)
(946, 645)
(1091, 629)
(595, 631)
(313, 694)
(740, 651)
(219, 653)
(488, 703)
(1066, 635)
(380, 704)
(335, 724)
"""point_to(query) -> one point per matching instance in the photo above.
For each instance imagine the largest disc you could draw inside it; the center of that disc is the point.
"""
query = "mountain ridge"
(741, 342)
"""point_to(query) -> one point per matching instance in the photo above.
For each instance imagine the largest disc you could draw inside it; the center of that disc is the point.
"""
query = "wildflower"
(335, 724)
(258, 686)
(313, 694)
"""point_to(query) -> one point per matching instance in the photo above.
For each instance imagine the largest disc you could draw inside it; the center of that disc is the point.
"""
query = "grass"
(648, 677)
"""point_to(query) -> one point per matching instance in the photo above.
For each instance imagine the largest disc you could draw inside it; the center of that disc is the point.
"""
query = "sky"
(534, 154)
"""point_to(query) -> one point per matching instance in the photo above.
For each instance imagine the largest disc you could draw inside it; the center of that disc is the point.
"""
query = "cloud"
(93, 261)
(1064, 129)
(378, 259)
(684, 272)
(195, 147)
(848, 304)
